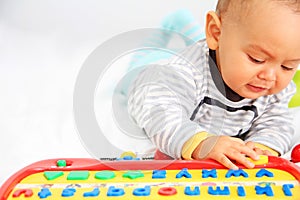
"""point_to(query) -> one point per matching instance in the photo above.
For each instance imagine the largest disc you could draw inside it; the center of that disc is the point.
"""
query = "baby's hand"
(258, 150)
(224, 149)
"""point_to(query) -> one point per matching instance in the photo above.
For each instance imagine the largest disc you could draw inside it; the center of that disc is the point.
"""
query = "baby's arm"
(224, 149)
(161, 101)
(273, 129)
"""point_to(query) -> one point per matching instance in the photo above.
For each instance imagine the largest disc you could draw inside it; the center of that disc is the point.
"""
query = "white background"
(43, 44)
(42, 47)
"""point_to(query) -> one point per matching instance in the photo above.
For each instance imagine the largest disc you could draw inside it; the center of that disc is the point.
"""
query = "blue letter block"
(142, 191)
(241, 191)
(93, 193)
(218, 191)
(68, 192)
(264, 172)
(184, 172)
(44, 193)
(236, 173)
(112, 191)
(190, 192)
(209, 173)
(264, 190)
(159, 174)
(287, 189)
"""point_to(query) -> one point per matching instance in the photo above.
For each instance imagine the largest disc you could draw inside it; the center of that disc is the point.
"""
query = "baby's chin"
(254, 95)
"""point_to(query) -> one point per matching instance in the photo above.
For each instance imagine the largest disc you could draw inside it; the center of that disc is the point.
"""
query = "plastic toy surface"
(295, 101)
(272, 178)
(295, 154)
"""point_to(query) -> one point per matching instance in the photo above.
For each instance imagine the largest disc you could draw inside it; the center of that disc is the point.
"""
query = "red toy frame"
(93, 164)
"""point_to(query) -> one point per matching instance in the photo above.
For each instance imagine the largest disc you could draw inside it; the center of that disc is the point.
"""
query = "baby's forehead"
(265, 22)
(244, 6)
(237, 11)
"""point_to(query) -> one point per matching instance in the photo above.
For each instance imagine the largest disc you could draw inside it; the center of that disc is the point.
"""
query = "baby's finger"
(250, 152)
(250, 144)
(258, 151)
(226, 162)
(241, 158)
(266, 153)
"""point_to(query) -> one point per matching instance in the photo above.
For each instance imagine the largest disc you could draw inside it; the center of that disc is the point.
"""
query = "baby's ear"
(213, 30)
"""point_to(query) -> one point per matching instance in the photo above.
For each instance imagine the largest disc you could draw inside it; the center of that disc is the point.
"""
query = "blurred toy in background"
(181, 22)
(295, 101)
(295, 155)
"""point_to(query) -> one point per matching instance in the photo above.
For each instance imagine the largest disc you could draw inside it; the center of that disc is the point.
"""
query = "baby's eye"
(255, 60)
(287, 68)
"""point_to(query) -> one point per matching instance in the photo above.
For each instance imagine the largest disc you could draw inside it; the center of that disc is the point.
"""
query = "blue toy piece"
(159, 174)
(236, 173)
(209, 173)
(267, 190)
(128, 158)
(113, 191)
(182, 21)
(190, 192)
(93, 193)
(68, 192)
(241, 191)
(184, 173)
(287, 189)
(44, 193)
(264, 172)
(218, 190)
(142, 191)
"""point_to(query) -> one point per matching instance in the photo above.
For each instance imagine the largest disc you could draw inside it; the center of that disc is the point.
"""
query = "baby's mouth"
(255, 88)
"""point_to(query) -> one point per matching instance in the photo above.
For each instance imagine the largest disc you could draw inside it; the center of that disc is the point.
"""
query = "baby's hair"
(223, 5)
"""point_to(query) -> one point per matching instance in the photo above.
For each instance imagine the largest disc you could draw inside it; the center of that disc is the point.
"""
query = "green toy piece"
(105, 175)
(78, 175)
(51, 175)
(61, 163)
(133, 174)
(295, 101)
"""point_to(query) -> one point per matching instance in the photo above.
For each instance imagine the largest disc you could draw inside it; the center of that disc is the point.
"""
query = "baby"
(226, 97)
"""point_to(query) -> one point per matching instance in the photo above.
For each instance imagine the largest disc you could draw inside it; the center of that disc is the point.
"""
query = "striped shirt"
(175, 100)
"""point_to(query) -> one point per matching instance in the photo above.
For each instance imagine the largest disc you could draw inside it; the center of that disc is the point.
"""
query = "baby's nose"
(268, 74)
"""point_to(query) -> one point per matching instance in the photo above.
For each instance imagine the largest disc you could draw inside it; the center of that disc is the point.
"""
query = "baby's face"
(258, 54)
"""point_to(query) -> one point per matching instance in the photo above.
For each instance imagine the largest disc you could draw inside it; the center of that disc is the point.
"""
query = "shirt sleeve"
(274, 127)
(161, 101)
(192, 144)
